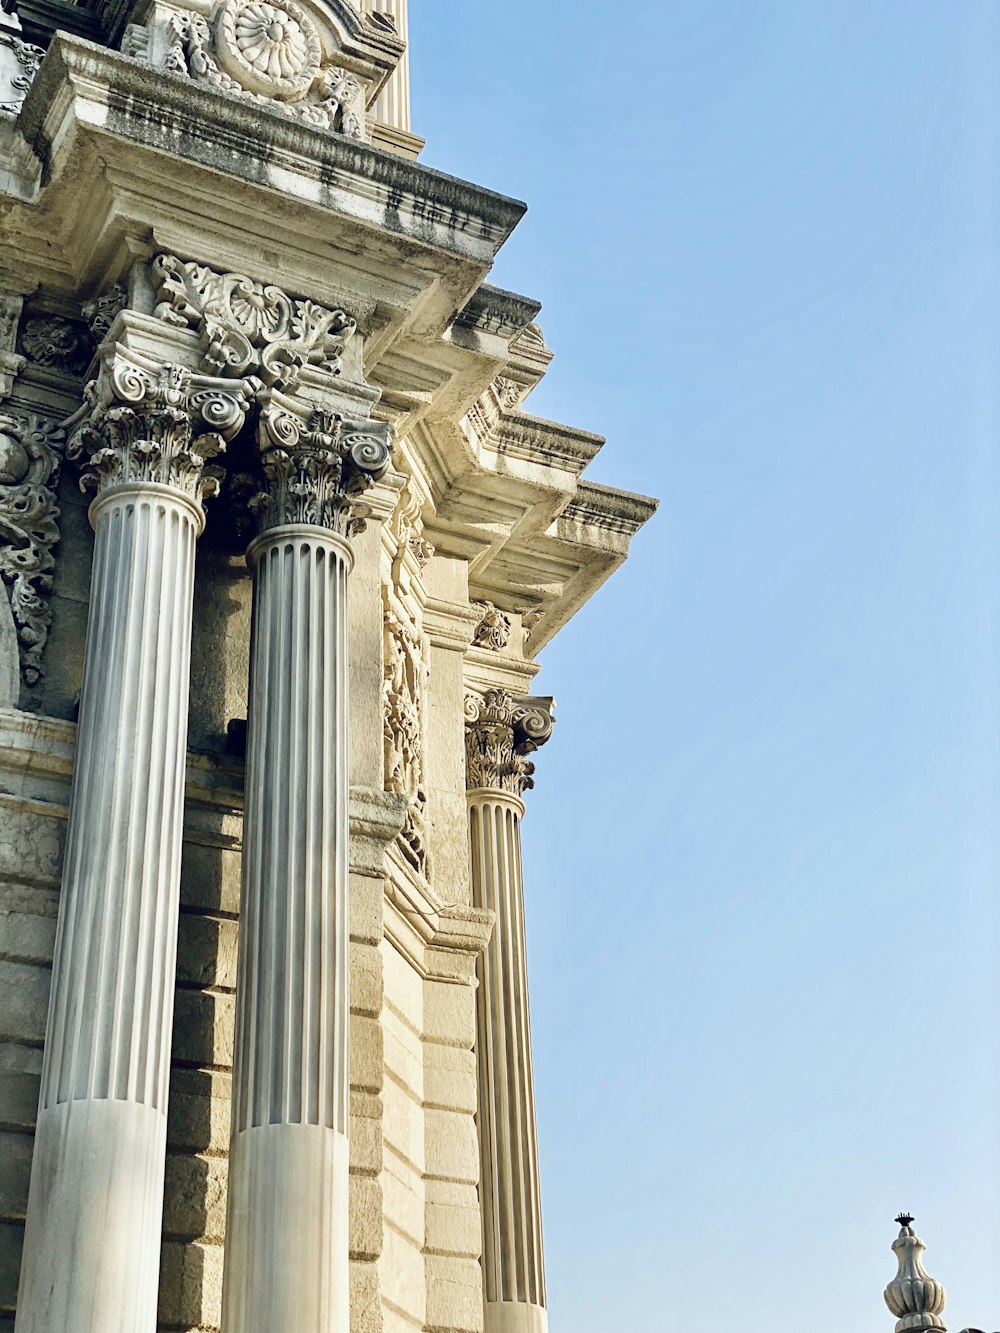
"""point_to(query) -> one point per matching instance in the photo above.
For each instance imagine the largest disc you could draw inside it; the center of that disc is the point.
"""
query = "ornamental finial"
(915, 1298)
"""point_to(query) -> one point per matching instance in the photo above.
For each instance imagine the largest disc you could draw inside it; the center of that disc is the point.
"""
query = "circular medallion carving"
(270, 46)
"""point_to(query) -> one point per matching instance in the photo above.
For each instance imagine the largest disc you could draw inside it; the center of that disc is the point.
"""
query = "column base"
(95, 1214)
(287, 1245)
(515, 1317)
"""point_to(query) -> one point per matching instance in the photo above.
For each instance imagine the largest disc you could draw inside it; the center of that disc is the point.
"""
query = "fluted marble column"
(392, 106)
(286, 1263)
(92, 1241)
(500, 732)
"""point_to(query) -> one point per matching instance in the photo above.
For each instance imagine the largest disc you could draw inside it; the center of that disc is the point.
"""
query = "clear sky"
(762, 856)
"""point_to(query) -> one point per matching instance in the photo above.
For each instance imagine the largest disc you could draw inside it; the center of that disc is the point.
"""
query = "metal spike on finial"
(913, 1296)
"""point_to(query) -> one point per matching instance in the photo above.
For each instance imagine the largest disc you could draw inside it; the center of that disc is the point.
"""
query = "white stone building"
(266, 701)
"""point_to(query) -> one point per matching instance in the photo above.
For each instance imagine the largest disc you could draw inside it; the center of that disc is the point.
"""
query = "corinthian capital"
(316, 466)
(146, 422)
(500, 732)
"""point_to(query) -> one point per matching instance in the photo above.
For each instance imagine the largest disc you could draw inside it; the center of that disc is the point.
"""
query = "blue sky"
(762, 856)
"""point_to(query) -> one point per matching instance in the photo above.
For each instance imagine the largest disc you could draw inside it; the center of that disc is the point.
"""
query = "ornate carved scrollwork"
(493, 630)
(28, 58)
(500, 732)
(316, 470)
(404, 699)
(29, 527)
(102, 312)
(248, 325)
(144, 422)
(268, 51)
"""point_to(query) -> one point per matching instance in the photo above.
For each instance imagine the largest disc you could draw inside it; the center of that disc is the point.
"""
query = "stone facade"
(280, 544)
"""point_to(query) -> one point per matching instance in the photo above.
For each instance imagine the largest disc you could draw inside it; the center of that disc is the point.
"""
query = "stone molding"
(500, 732)
(250, 326)
(30, 457)
(144, 422)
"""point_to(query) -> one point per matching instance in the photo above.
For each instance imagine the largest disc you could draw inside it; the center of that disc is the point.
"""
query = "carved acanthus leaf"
(29, 527)
(316, 469)
(143, 422)
(248, 325)
(500, 732)
(268, 51)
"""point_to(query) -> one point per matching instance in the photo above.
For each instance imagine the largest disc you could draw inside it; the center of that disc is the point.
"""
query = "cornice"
(609, 509)
(84, 86)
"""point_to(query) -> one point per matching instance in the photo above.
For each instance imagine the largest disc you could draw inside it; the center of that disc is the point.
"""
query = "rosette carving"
(500, 732)
(248, 325)
(270, 47)
(269, 52)
(144, 422)
(55, 342)
(316, 471)
(29, 527)
(913, 1296)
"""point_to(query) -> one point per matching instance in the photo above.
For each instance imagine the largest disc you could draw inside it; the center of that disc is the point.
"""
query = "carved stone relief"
(11, 363)
(17, 71)
(57, 343)
(406, 672)
(248, 325)
(101, 313)
(268, 51)
(494, 628)
(29, 527)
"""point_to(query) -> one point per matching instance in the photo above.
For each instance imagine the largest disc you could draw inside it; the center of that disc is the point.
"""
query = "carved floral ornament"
(250, 326)
(269, 51)
(404, 695)
(29, 528)
(494, 628)
(500, 732)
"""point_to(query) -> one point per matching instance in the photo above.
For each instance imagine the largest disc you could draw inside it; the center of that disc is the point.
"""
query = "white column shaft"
(287, 1244)
(392, 106)
(92, 1243)
(512, 1222)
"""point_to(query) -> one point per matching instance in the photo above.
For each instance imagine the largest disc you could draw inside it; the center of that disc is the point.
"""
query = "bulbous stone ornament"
(271, 47)
(913, 1296)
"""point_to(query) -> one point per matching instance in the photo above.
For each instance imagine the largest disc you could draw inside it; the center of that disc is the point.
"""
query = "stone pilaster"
(287, 1230)
(392, 106)
(92, 1240)
(500, 732)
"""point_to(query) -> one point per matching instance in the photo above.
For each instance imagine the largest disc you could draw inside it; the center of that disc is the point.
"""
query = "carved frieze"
(316, 470)
(268, 51)
(500, 732)
(494, 628)
(248, 325)
(144, 422)
(29, 527)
